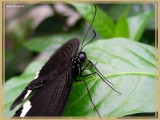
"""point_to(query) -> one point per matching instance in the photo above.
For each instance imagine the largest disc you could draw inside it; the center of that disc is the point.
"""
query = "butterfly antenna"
(89, 29)
(90, 40)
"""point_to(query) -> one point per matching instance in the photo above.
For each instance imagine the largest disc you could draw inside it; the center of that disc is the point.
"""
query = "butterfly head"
(82, 56)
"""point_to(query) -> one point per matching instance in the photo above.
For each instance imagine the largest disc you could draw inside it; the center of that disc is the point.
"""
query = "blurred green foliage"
(133, 23)
(123, 30)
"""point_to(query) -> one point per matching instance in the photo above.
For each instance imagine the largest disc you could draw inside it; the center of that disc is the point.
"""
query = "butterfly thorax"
(77, 62)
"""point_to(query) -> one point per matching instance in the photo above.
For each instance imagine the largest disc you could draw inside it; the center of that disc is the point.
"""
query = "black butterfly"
(53, 84)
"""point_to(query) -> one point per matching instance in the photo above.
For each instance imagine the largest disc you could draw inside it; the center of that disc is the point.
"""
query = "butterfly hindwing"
(51, 99)
(19, 99)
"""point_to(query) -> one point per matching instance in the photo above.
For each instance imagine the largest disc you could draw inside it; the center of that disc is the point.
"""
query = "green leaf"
(103, 24)
(48, 43)
(14, 86)
(121, 29)
(115, 10)
(130, 65)
(137, 25)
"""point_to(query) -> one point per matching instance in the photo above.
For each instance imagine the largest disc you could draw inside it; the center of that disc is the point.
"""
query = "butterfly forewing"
(49, 100)
(61, 57)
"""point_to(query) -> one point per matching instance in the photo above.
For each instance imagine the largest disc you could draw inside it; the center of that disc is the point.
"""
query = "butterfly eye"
(82, 56)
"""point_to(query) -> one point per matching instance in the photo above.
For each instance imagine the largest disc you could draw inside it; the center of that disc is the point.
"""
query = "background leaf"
(103, 24)
(129, 65)
(115, 10)
(121, 29)
(52, 42)
(137, 25)
(14, 86)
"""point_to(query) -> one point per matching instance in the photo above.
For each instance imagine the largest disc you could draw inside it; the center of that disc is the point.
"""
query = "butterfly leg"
(81, 70)
(89, 68)
(102, 77)
(88, 74)
(88, 65)
(85, 66)
(99, 74)
(91, 98)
